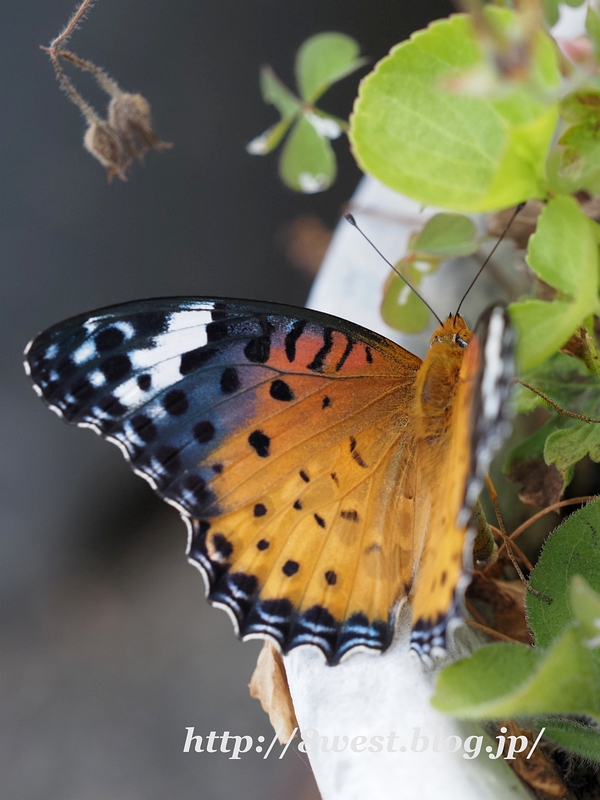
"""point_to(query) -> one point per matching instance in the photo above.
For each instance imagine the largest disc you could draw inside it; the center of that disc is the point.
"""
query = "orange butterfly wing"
(282, 436)
(294, 445)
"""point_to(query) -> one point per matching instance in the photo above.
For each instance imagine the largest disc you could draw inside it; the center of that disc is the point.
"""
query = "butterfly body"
(309, 457)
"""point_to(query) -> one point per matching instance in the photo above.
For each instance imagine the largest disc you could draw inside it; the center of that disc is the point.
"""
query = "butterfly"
(324, 473)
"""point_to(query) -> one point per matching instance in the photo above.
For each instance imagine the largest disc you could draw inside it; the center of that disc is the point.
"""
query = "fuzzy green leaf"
(582, 740)
(324, 59)
(448, 235)
(506, 680)
(573, 442)
(463, 153)
(566, 381)
(307, 162)
(573, 549)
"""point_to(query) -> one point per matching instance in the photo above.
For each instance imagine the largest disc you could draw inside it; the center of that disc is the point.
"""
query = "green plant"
(477, 113)
(307, 162)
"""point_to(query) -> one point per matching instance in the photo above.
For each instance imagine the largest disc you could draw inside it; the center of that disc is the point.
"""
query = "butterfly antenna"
(493, 250)
(349, 218)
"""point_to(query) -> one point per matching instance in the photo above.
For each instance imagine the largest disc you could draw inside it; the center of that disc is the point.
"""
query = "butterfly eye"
(459, 340)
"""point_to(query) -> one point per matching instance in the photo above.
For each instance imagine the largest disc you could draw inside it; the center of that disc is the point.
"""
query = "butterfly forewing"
(282, 436)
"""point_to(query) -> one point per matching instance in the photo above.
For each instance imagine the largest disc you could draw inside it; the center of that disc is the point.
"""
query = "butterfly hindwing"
(281, 435)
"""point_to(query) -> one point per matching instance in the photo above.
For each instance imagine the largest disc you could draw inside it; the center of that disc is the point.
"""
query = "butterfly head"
(453, 333)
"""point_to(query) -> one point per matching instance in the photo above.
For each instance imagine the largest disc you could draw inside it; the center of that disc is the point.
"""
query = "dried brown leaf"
(506, 603)
(536, 771)
(269, 685)
(541, 484)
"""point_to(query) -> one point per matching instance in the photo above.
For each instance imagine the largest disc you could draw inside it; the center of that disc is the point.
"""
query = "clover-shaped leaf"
(307, 162)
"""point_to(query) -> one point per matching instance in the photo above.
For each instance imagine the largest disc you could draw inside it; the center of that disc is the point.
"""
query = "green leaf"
(268, 141)
(592, 26)
(510, 680)
(566, 381)
(579, 145)
(585, 603)
(277, 94)
(402, 309)
(324, 59)
(307, 162)
(573, 549)
(563, 252)
(448, 235)
(583, 740)
(551, 12)
(575, 441)
(464, 153)
(580, 155)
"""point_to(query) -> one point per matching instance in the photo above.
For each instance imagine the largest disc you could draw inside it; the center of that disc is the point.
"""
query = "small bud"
(103, 143)
(129, 117)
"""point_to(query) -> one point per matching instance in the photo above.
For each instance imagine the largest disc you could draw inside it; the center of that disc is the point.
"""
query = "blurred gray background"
(108, 648)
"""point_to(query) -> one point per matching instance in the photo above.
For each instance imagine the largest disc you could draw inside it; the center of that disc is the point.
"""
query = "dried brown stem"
(491, 632)
(554, 507)
(71, 24)
(109, 85)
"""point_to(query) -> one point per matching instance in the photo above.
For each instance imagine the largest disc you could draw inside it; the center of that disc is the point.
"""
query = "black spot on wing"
(217, 330)
(230, 381)
(331, 577)
(319, 520)
(144, 428)
(291, 339)
(350, 514)
(260, 510)
(290, 568)
(144, 381)
(262, 544)
(108, 339)
(175, 403)
(345, 354)
(260, 442)
(280, 390)
(317, 363)
(112, 406)
(222, 545)
(304, 476)
(194, 359)
(258, 349)
(298, 505)
(204, 431)
(326, 402)
(116, 368)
